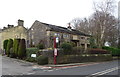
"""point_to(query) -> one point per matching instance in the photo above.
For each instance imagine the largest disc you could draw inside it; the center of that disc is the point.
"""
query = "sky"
(56, 12)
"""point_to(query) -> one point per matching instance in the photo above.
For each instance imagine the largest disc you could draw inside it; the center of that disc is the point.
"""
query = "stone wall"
(41, 32)
(37, 33)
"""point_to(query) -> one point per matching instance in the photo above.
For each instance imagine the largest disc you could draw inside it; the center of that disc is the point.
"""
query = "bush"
(82, 58)
(77, 50)
(22, 49)
(9, 46)
(15, 47)
(40, 46)
(12, 55)
(30, 51)
(31, 59)
(98, 51)
(114, 51)
(67, 47)
(5, 45)
(42, 60)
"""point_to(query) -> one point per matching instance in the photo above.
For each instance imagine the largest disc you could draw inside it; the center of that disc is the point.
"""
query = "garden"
(67, 53)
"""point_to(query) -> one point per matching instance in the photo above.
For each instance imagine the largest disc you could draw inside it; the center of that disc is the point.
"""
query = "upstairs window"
(65, 36)
(82, 37)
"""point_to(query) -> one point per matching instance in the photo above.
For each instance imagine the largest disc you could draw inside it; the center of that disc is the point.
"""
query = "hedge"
(98, 51)
(30, 51)
(42, 60)
(67, 47)
(5, 45)
(40, 46)
(15, 47)
(22, 49)
(81, 58)
(9, 46)
(114, 51)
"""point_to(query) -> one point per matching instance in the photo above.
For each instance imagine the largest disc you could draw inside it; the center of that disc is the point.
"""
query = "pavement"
(11, 66)
(55, 65)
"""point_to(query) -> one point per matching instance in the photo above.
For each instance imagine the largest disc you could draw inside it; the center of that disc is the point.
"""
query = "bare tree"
(104, 20)
(102, 24)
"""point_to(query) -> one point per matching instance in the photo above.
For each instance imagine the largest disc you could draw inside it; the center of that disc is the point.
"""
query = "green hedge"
(9, 46)
(30, 51)
(81, 58)
(42, 60)
(114, 51)
(5, 45)
(15, 47)
(22, 49)
(98, 51)
(40, 46)
(67, 47)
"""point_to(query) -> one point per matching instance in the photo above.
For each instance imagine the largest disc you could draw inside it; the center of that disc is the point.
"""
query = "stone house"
(12, 32)
(44, 33)
(0, 38)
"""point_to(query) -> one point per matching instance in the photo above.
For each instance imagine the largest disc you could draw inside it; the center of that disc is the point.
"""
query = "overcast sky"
(56, 12)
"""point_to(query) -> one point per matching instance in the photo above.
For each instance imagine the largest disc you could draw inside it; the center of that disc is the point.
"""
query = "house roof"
(60, 29)
(65, 30)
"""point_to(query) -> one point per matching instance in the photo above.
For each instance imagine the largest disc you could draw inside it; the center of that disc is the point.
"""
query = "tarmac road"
(15, 67)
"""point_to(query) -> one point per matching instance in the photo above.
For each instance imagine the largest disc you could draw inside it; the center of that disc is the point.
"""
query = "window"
(65, 36)
(82, 37)
(56, 34)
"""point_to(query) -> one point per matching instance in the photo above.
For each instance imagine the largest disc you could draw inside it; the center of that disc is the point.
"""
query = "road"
(15, 67)
(105, 68)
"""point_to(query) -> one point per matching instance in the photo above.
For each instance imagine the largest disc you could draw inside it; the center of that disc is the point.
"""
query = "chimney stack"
(20, 22)
(69, 26)
(10, 26)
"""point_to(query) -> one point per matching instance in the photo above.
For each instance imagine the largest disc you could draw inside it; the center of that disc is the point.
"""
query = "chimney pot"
(69, 26)
(20, 22)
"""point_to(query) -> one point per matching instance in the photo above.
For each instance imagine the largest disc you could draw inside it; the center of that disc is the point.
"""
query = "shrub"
(15, 47)
(9, 46)
(40, 46)
(98, 51)
(92, 42)
(12, 55)
(77, 50)
(30, 51)
(82, 58)
(22, 49)
(114, 51)
(67, 47)
(73, 44)
(42, 60)
(5, 45)
(31, 59)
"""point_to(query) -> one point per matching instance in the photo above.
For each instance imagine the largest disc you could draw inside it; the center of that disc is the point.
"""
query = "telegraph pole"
(55, 50)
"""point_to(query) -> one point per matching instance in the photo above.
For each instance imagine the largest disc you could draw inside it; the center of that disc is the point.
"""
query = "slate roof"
(65, 30)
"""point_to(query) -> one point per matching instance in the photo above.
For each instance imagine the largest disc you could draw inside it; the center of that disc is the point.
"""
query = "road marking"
(72, 66)
(31, 73)
(106, 71)
(103, 72)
